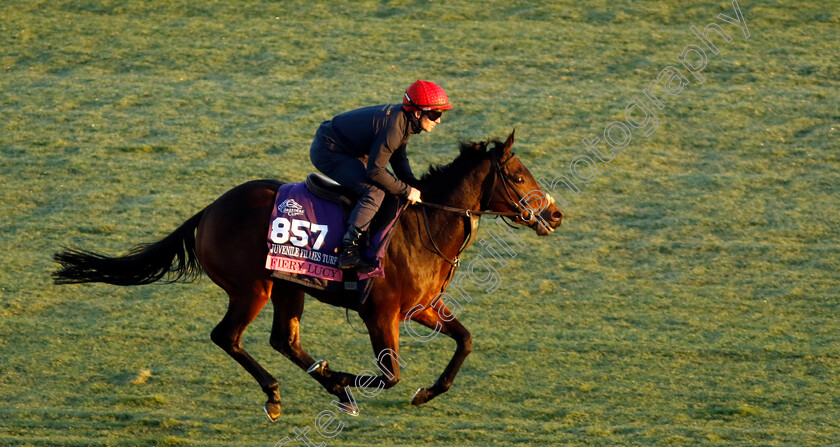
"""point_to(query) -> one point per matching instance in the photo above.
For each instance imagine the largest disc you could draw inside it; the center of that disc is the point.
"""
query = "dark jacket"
(380, 133)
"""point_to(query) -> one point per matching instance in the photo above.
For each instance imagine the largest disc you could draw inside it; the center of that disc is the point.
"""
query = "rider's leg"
(351, 173)
(366, 208)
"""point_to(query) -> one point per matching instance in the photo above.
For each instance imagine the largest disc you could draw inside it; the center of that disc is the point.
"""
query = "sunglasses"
(433, 115)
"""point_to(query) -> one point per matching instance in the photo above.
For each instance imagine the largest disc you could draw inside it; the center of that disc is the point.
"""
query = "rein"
(467, 212)
(522, 212)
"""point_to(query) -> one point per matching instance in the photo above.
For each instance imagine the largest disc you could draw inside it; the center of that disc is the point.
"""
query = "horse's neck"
(467, 192)
(446, 227)
(425, 230)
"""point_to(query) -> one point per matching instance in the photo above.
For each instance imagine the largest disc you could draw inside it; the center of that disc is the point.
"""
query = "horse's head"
(513, 189)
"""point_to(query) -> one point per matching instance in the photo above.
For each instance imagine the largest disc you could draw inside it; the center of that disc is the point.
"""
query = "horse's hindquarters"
(231, 238)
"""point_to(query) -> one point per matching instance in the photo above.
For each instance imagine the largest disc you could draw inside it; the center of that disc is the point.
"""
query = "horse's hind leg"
(242, 309)
(431, 318)
(285, 338)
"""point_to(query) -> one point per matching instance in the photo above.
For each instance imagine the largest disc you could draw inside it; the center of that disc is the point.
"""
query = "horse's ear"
(509, 142)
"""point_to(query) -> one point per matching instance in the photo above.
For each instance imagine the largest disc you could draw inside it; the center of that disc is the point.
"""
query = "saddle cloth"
(305, 233)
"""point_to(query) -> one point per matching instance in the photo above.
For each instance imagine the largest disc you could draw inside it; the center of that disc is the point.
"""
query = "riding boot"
(349, 257)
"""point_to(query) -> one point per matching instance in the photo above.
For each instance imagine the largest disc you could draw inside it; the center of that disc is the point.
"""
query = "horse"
(227, 241)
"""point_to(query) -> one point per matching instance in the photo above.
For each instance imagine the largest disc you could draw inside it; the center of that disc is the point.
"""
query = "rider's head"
(428, 101)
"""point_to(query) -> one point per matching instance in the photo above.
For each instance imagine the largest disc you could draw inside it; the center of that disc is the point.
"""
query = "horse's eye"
(520, 179)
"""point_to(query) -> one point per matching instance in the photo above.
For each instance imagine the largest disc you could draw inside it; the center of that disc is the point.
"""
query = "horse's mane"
(442, 179)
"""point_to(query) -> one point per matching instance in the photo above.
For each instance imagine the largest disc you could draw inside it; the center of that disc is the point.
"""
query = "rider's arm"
(399, 163)
(382, 149)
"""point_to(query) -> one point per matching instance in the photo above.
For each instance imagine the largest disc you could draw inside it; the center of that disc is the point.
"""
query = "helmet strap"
(414, 121)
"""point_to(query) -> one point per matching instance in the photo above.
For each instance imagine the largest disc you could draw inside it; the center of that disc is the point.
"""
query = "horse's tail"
(173, 256)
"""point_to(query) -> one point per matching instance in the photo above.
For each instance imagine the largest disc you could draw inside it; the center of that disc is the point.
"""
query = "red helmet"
(424, 95)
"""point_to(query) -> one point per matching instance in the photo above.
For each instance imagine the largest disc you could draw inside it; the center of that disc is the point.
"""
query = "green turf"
(690, 298)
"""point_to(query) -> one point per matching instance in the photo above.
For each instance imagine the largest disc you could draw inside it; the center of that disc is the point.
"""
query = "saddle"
(328, 189)
(305, 231)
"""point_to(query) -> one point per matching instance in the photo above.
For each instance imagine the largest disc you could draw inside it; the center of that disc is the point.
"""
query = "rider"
(379, 134)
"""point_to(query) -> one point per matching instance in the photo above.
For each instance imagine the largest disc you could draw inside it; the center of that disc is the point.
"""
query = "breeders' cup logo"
(290, 207)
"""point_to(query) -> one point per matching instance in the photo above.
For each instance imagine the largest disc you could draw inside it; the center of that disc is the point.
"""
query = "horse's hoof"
(272, 410)
(350, 408)
(318, 366)
(421, 396)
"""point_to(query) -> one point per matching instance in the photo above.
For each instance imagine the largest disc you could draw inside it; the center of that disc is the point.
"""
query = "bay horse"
(227, 240)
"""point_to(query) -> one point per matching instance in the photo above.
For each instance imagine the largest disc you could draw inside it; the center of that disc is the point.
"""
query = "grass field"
(690, 298)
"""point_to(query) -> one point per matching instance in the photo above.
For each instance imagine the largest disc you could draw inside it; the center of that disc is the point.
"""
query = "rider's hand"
(414, 196)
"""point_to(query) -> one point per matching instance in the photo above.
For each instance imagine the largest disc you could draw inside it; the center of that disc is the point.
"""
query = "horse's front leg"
(383, 328)
(384, 335)
(439, 318)
(384, 331)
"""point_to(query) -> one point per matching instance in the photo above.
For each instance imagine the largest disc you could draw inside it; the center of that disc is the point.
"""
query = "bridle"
(523, 214)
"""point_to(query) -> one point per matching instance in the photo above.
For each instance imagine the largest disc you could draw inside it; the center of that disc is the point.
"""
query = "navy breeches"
(349, 172)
